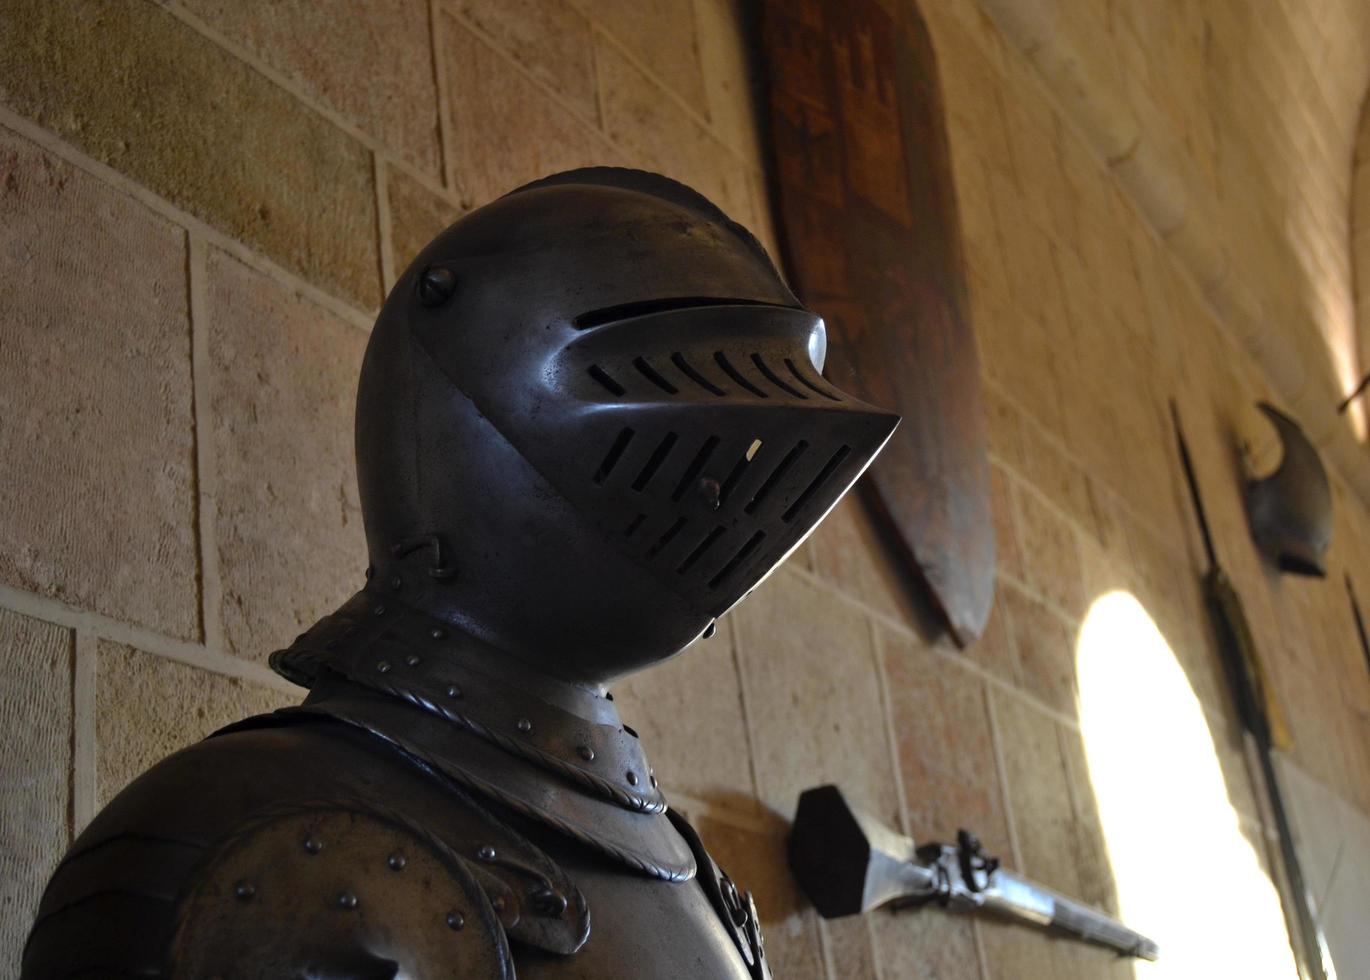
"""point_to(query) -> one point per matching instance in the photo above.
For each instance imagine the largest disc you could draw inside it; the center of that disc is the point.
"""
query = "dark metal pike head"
(1290, 511)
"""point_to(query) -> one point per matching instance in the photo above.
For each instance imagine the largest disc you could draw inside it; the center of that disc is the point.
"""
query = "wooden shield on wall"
(872, 241)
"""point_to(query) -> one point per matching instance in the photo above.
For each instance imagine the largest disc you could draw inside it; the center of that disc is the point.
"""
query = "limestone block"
(1045, 649)
(688, 712)
(853, 552)
(368, 62)
(281, 378)
(1039, 793)
(728, 66)
(926, 942)
(35, 767)
(662, 35)
(813, 697)
(147, 707)
(1006, 542)
(163, 104)
(850, 950)
(549, 38)
(506, 130)
(657, 134)
(417, 215)
(1051, 552)
(95, 391)
(945, 746)
(994, 649)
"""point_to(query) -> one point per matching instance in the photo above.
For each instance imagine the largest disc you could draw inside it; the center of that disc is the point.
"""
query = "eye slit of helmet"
(687, 369)
(700, 550)
(738, 469)
(722, 361)
(817, 482)
(633, 525)
(790, 459)
(647, 371)
(799, 376)
(774, 378)
(658, 457)
(742, 555)
(612, 457)
(603, 377)
(666, 538)
(688, 478)
(626, 311)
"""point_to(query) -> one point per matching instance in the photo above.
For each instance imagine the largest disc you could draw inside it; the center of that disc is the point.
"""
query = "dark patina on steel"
(1291, 509)
(591, 419)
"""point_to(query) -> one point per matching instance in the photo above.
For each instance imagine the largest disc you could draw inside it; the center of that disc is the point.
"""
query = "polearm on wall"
(847, 863)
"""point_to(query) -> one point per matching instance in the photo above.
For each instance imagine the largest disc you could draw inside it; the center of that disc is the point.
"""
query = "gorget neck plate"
(411, 680)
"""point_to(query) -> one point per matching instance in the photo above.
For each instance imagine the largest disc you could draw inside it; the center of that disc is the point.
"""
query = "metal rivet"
(632, 778)
(436, 285)
(313, 845)
(396, 861)
(347, 900)
(437, 632)
(525, 725)
(383, 666)
(653, 780)
(396, 582)
(497, 903)
(378, 611)
(453, 691)
(412, 660)
(710, 492)
(549, 903)
(486, 853)
(455, 920)
(369, 572)
(711, 629)
(586, 753)
(244, 890)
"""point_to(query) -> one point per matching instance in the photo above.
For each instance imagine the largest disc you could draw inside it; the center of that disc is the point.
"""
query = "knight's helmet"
(592, 418)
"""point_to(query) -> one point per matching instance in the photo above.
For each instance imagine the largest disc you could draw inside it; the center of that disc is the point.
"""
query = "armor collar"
(412, 680)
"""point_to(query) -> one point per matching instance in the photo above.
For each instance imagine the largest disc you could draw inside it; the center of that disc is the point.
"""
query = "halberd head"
(592, 418)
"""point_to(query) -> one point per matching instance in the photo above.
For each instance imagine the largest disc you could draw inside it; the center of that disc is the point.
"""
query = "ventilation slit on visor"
(612, 457)
(666, 538)
(738, 469)
(722, 361)
(658, 457)
(818, 481)
(633, 525)
(687, 369)
(648, 372)
(774, 378)
(700, 550)
(603, 377)
(742, 555)
(809, 384)
(688, 478)
(776, 474)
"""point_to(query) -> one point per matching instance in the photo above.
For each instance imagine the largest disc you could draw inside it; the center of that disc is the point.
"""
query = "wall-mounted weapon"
(1259, 713)
(1291, 509)
(847, 863)
(1360, 622)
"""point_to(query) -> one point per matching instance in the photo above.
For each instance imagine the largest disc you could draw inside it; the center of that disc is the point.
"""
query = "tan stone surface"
(35, 749)
(657, 134)
(850, 949)
(663, 36)
(550, 38)
(1051, 553)
(729, 76)
(813, 697)
(282, 378)
(688, 713)
(945, 745)
(147, 707)
(327, 46)
(1039, 793)
(95, 397)
(925, 942)
(417, 215)
(506, 129)
(1044, 649)
(161, 103)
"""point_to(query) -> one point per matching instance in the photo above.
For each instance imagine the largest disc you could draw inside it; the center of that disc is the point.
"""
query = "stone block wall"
(202, 203)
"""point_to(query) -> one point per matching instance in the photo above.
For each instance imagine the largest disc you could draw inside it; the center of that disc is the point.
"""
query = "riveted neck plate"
(395, 649)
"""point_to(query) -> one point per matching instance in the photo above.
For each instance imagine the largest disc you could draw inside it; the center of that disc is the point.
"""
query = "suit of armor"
(591, 419)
